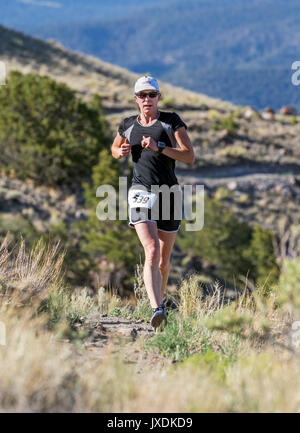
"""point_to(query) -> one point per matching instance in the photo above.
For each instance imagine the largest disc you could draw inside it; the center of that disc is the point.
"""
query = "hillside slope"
(86, 74)
(235, 50)
(252, 164)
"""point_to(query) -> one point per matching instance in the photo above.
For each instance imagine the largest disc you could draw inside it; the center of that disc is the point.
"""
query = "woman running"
(155, 139)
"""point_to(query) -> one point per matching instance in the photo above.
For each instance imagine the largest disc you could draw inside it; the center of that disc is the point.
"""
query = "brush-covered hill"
(237, 50)
(250, 161)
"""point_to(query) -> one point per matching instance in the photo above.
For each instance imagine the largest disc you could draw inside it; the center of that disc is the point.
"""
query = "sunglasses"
(144, 95)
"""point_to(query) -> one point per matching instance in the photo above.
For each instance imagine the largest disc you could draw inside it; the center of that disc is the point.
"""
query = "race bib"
(140, 198)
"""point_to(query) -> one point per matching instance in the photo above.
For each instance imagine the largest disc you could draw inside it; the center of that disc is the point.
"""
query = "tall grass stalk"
(230, 357)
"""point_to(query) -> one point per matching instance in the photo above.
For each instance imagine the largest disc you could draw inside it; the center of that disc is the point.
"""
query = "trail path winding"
(122, 338)
(241, 173)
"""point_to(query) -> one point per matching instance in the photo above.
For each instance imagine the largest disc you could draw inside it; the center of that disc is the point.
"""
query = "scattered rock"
(268, 114)
(70, 203)
(45, 206)
(204, 107)
(295, 180)
(287, 192)
(243, 198)
(263, 202)
(13, 194)
(251, 113)
(28, 212)
(269, 110)
(288, 111)
(134, 333)
(278, 189)
(81, 214)
(54, 216)
(284, 191)
(223, 134)
(232, 185)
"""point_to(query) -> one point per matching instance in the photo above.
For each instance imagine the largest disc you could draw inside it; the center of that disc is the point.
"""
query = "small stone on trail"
(133, 332)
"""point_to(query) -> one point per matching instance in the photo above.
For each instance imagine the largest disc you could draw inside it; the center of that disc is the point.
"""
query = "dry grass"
(242, 360)
(26, 276)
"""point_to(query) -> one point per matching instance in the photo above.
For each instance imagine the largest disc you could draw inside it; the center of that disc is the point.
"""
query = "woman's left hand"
(149, 143)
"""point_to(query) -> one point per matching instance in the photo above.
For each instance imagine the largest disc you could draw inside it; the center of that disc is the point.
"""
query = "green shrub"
(46, 132)
(288, 290)
(168, 102)
(234, 151)
(181, 338)
(227, 123)
(62, 304)
(232, 246)
(221, 241)
(228, 319)
(213, 114)
(294, 120)
(261, 254)
(209, 360)
(114, 240)
(222, 193)
(17, 226)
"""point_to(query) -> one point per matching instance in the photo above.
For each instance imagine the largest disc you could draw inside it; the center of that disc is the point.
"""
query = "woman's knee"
(164, 264)
(152, 252)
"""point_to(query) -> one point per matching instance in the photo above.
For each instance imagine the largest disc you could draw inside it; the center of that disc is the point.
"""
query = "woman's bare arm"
(185, 153)
(120, 147)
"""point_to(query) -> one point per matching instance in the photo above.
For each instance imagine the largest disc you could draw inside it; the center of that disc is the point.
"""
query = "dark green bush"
(221, 241)
(114, 240)
(261, 254)
(233, 247)
(227, 123)
(46, 132)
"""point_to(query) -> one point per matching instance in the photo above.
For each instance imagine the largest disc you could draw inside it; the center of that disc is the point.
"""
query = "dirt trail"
(242, 172)
(122, 337)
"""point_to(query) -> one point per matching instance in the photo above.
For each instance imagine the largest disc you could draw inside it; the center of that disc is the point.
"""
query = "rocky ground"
(41, 206)
(121, 337)
(268, 195)
(249, 160)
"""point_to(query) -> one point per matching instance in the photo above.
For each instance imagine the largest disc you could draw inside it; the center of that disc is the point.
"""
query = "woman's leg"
(148, 235)
(166, 242)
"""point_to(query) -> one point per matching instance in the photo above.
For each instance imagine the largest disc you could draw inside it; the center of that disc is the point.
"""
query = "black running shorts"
(164, 210)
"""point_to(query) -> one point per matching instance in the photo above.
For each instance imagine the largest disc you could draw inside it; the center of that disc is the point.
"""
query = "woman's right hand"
(125, 149)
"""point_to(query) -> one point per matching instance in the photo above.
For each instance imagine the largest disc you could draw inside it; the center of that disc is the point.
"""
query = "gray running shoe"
(158, 317)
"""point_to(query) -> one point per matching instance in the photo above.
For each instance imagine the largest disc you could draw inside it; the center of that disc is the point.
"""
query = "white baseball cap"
(146, 83)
